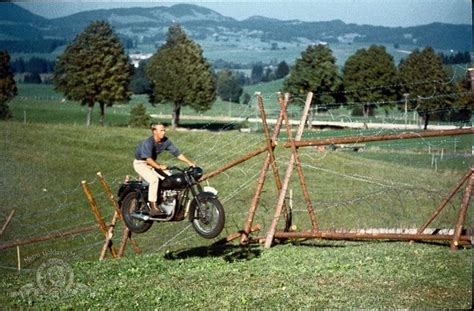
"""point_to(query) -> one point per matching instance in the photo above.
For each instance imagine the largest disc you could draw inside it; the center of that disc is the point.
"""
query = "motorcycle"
(180, 196)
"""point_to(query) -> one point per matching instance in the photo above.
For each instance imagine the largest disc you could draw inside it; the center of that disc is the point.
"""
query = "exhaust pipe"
(140, 216)
(144, 217)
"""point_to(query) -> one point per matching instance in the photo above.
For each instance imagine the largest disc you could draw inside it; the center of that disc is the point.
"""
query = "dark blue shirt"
(151, 149)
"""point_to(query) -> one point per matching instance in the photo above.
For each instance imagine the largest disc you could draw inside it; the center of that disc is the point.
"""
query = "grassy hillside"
(390, 184)
(303, 276)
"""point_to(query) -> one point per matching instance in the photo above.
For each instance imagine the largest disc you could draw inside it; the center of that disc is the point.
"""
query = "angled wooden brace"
(294, 157)
(108, 244)
(127, 234)
(269, 160)
(462, 212)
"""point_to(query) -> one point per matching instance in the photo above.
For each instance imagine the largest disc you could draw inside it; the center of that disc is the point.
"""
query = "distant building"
(318, 42)
(137, 58)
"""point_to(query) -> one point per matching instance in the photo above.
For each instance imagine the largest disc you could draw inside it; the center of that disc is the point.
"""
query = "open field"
(304, 276)
(392, 184)
(41, 104)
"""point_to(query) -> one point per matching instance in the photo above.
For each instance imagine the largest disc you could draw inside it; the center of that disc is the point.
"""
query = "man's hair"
(154, 125)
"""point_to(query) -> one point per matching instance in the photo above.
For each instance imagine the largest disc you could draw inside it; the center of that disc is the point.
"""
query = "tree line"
(94, 68)
(370, 79)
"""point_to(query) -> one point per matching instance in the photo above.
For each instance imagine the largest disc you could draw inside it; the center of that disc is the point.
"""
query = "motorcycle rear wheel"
(208, 220)
(131, 204)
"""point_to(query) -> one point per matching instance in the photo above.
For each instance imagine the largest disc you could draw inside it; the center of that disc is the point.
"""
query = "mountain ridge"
(149, 25)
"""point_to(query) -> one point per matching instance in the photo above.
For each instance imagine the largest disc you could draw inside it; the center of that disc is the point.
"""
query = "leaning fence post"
(108, 239)
(445, 201)
(98, 216)
(270, 159)
(289, 171)
(7, 222)
(462, 213)
(116, 206)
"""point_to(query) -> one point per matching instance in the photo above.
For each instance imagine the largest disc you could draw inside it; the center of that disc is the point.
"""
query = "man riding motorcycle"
(145, 163)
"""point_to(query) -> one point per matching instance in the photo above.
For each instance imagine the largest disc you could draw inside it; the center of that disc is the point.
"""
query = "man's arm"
(183, 158)
(154, 164)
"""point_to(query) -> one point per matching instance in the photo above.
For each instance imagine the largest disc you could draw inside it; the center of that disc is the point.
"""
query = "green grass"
(306, 275)
(390, 184)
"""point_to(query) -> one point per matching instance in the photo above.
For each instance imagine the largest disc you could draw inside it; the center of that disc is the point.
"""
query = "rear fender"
(128, 187)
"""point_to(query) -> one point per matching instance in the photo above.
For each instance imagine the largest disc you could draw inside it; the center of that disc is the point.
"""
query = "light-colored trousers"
(150, 175)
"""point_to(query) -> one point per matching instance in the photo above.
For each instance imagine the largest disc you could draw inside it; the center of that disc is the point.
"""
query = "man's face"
(159, 132)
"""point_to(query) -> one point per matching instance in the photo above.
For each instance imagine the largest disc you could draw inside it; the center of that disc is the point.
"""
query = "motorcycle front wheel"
(131, 204)
(208, 218)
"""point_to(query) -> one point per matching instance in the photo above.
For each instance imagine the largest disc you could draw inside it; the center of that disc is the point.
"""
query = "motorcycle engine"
(168, 200)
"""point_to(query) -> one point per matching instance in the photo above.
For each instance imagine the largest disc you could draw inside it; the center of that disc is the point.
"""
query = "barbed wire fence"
(343, 196)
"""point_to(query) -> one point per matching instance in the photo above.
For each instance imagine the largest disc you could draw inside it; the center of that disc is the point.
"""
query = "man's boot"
(154, 210)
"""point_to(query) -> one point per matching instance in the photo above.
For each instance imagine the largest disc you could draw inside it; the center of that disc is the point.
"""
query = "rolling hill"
(141, 26)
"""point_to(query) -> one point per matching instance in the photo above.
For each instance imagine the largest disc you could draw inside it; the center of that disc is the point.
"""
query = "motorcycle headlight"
(197, 172)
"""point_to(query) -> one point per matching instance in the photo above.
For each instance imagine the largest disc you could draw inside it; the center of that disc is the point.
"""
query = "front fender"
(207, 195)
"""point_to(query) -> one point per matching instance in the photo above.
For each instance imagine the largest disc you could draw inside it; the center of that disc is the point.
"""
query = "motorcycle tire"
(208, 220)
(131, 204)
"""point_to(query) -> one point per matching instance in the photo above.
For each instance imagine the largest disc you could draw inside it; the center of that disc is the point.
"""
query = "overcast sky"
(373, 12)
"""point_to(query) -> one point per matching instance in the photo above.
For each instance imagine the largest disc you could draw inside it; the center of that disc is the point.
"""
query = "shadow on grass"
(228, 252)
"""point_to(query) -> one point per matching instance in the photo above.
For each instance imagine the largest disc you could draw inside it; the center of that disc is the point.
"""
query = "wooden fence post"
(116, 206)
(289, 171)
(270, 159)
(7, 222)
(445, 201)
(462, 213)
(98, 216)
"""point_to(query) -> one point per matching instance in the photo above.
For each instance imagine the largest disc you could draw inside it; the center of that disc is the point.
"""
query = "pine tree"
(425, 80)
(282, 70)
(316, 71)
(180, 74)
(256, 75)
(139, 117)
(8, 88)
(370, 76)
(94, 68)
(228, 86)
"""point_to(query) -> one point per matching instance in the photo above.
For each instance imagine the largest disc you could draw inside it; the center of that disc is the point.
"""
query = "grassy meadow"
(393, 184)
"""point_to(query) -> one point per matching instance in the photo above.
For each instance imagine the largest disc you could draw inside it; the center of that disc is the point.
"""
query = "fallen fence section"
(47, 237)
(463, 239)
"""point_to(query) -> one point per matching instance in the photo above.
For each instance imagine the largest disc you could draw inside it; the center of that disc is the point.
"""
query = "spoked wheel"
(131, 204)
(208, 218)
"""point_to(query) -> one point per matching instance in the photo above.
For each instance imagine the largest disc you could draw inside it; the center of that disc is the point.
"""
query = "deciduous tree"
(94, 68)
(228, 86)
(424, 78)
(370, 78)
(180, 74)
(316, 71)
(282, 70)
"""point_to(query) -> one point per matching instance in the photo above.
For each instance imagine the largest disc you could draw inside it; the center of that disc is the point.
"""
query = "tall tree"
(256, 75)
(228, 86)
(425, 80)
(463, 107)
(370, 77)
(316, 71)
(181, 75)
(8, 88)
(282, 70)
(94, 68)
